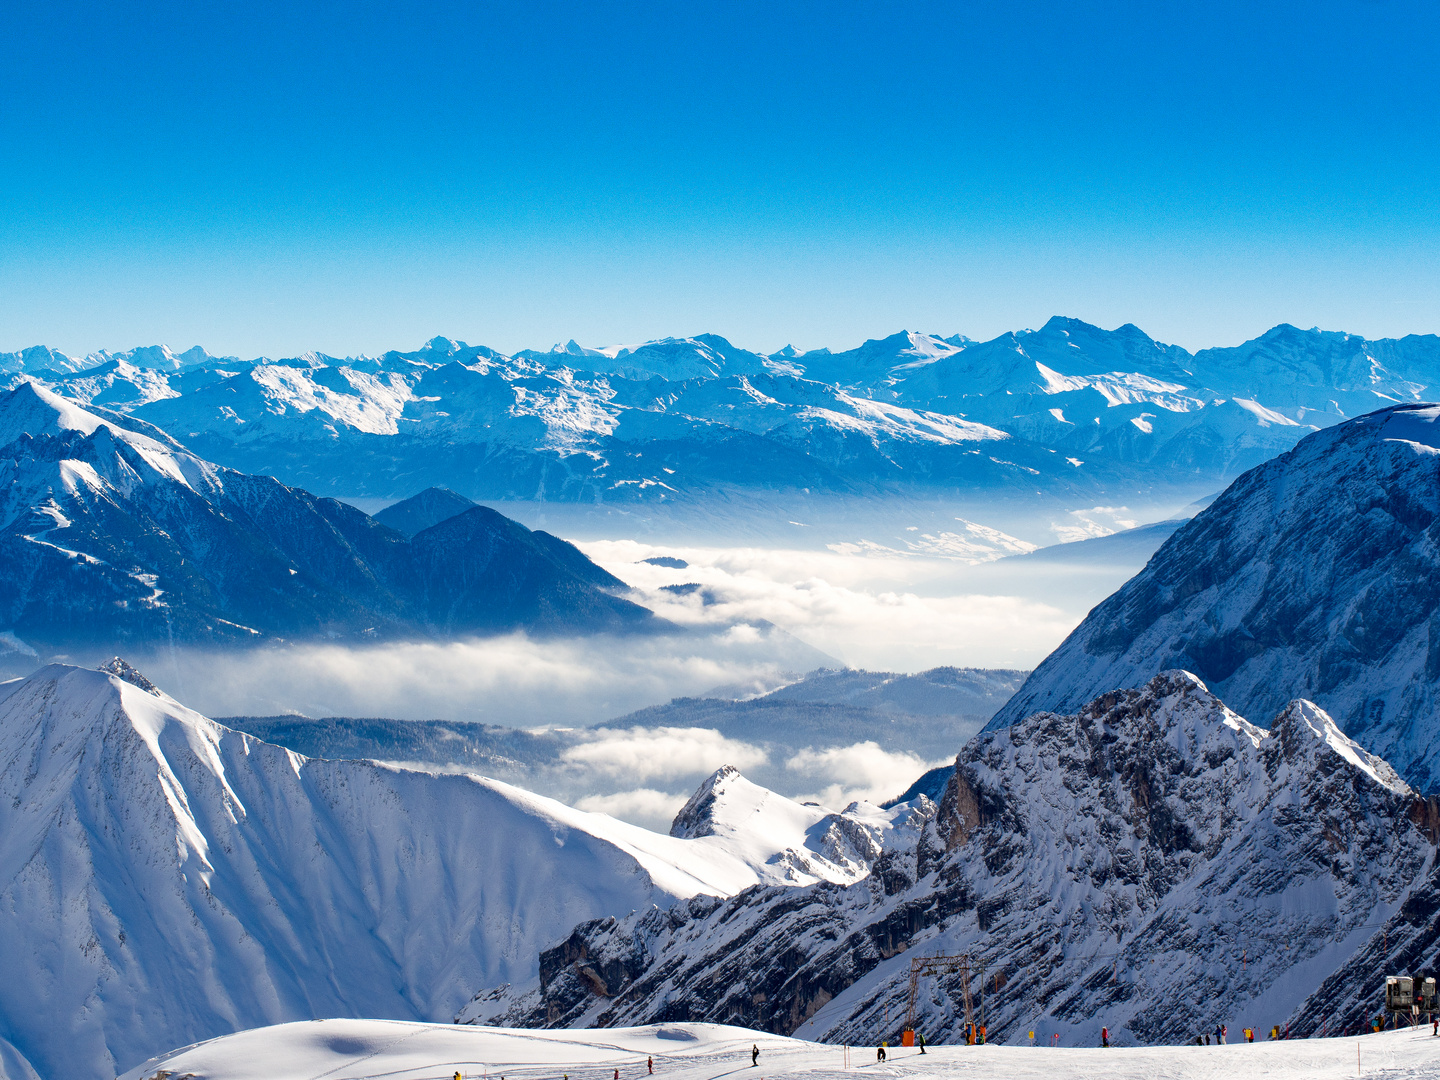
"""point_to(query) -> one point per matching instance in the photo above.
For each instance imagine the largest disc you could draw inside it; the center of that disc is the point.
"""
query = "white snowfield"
(345, 1049)
(165, 879)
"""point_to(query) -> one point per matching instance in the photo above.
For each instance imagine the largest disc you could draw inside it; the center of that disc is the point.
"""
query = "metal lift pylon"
(937, 965)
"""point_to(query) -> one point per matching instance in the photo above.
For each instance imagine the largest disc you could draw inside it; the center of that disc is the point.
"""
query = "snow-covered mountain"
(1068, 410)
(165, 879)
(41, 360)
(1314, 575)
(1153, 863)
(111, 531)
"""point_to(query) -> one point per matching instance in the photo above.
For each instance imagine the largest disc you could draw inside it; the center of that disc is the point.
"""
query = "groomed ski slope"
(393, 1050)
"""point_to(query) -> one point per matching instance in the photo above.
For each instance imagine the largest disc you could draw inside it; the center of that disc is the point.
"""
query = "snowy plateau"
(340, 1048)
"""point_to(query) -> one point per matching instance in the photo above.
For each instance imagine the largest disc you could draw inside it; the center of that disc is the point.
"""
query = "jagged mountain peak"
(122, 669)
(1306, 732)
(697, 816)
(443, 345)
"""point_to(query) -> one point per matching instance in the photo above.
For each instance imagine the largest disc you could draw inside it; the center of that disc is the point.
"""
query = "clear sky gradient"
(266, 178)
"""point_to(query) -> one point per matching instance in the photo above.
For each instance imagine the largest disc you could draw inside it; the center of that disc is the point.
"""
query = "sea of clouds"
(756, 618)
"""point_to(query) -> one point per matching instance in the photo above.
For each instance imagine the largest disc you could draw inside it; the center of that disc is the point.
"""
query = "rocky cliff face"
(1316, 575)
(1152, 862)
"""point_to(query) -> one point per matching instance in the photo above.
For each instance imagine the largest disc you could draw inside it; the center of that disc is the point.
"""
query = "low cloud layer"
(513, 680)
(839, 775)
(877, 611)
(749, 618)
(645, 807)
(662, 753)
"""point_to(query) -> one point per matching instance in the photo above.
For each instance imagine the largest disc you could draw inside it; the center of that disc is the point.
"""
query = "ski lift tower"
(1400, 997)
(936, 965)
(1409, 997)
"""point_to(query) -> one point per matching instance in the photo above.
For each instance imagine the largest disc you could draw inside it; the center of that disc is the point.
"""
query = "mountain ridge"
(1312, 575)
(164, 879)
(110, 530)
(1152, 836)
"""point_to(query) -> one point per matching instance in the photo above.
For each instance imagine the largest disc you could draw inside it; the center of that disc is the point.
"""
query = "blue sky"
(269, 178)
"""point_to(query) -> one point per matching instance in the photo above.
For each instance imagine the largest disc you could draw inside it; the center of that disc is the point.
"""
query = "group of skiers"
(1222, 1035)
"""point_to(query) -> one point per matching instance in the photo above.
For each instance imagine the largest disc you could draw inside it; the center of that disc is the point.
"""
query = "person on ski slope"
(754, 1056)
(1105, 1037)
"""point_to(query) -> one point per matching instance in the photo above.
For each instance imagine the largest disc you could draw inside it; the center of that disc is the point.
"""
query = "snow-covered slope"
(1316, 575)
(1153, 863)
(352, 1050)
(1069, 410)
(165, 879)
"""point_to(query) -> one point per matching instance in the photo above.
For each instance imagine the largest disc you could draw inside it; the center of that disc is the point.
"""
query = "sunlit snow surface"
(344, 1049)
(165, 877)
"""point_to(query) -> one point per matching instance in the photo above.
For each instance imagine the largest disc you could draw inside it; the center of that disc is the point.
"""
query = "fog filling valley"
(748, 619)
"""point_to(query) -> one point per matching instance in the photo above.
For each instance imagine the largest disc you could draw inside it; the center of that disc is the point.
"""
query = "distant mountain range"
(112, 532)
(1069, 410)
(1316, 575)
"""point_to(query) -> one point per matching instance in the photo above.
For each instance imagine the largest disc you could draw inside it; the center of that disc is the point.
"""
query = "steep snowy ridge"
(164, 879)
(1153, 863)
(1316, 575)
